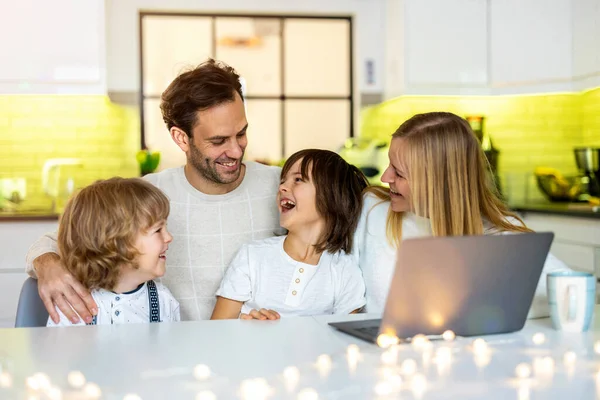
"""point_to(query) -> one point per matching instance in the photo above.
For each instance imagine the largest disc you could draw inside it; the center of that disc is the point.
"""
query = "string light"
(539, 338)
(291, 376)
(5, 380)
(76, 379)
(448, 336)
(206, 395)
(255, 389)
(308, 394)
(324, 364)
(383, 388)
(569, 358)
(409, 366)
(353, 357)
(92, 390)
(384, 340)
(202, 372)
(523, 371)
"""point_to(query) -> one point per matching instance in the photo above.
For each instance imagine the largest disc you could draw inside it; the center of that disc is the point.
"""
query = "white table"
(156, 361)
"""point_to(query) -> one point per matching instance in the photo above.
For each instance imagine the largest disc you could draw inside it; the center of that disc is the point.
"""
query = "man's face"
(218, 142)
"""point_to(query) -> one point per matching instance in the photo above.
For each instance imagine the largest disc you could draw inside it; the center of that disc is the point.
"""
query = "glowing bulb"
(383, 388)
(308, 394)
(384, 340)
(201, 372)
(523, 370)
(597, 347)
(480, 345)
(448, 336)
(54, 393)
(395, 380)
(76, 379)
(352, 356)
(419, 341)
(418, 385)
(523, 393)
(132, 396)
(389, 357)
(324, 364)
(291, 375)
(92, 390)
(32, 383)
(256, 388)
(409, 366)
(206, 395)
(43, 381)
(539, 338)
(569, 358)
(5, 380)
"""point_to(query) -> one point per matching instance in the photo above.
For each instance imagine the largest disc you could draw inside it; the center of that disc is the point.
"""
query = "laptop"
(471, 285)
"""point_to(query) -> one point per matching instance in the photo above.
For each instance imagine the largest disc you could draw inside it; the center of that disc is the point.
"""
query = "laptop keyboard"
(372, 331)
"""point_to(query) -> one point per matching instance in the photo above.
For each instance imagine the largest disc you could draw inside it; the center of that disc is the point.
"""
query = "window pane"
(170, 45)
(264, 130)
(253, 47)
(317, 57)
(158, 138)
(323, 124)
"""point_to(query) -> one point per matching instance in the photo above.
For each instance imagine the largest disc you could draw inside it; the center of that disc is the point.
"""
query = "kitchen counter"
(582, 210)
(12, 216)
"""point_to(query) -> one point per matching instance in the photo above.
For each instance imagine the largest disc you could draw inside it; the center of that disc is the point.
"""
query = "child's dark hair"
(339, 199)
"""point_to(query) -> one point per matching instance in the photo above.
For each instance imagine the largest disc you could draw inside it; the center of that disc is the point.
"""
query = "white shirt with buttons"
(128, 308)
(263, 275)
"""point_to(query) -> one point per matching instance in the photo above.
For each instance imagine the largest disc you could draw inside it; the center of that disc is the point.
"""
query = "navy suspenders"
(153, 303)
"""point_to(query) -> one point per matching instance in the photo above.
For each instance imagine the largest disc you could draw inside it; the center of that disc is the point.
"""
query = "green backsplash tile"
(33, 129)
(529, 130)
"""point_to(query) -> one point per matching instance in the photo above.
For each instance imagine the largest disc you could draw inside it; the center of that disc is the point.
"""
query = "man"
(217, 202)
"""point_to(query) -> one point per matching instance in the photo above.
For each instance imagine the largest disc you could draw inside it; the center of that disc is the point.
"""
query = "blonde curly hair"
(100, 225)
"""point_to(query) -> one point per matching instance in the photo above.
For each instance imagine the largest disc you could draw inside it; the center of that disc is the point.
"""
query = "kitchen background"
(77, 89)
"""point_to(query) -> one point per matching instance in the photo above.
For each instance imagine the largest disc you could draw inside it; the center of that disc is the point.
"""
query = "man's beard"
(208, 168)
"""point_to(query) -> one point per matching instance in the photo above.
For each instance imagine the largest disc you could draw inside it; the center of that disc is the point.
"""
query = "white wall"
(586, 43)
(122, 58)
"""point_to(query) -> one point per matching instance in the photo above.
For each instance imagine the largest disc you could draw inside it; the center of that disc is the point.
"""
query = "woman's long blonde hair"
(448, 179)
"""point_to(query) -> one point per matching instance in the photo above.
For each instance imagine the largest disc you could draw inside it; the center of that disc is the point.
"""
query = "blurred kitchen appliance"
(370, 156)
(59, 177)
(587, 159)
(492, 154)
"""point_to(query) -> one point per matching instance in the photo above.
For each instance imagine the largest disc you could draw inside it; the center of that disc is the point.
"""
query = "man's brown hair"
(339, 200)
(100, 225)
(208, 85)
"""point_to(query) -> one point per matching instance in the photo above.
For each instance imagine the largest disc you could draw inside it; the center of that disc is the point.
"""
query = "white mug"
(571, 297)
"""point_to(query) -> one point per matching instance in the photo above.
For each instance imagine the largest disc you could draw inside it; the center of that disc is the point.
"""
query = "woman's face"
(396, 176)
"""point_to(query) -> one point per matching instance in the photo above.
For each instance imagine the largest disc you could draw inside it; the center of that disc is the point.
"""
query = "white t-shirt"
(263, 275)
(377, 257)
(128, 308)
(207, 232)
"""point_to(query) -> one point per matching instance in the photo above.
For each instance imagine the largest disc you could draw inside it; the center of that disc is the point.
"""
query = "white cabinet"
(576, 240)
(445, 46)
(15, 239)
(52, 47)
(586, 43)
(530, 45)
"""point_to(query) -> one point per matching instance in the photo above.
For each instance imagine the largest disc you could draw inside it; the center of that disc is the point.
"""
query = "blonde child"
(113, 239)
(309, 271)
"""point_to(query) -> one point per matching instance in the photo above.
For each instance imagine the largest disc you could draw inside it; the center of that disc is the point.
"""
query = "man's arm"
(45, 244)
(56, 286)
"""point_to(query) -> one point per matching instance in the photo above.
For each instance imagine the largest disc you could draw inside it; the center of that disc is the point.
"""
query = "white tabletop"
(156, 361)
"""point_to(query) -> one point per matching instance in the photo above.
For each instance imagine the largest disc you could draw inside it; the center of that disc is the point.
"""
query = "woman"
(438, 186)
